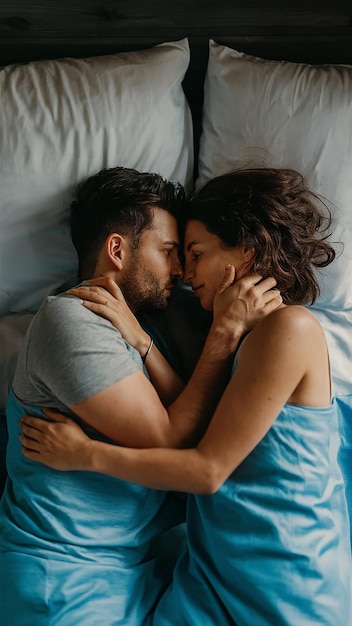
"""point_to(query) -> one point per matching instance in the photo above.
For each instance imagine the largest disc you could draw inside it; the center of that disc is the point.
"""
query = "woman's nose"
(188, 274)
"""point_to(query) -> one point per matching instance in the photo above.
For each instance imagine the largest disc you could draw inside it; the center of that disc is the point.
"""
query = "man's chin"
(153, 307)
(162, 306)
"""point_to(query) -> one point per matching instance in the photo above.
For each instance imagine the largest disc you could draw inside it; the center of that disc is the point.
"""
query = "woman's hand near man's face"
(240, 305)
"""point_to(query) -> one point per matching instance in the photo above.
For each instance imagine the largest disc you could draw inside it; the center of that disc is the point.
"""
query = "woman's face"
(205, 261)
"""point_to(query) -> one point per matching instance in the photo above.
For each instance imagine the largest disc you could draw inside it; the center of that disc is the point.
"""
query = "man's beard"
(143, 292)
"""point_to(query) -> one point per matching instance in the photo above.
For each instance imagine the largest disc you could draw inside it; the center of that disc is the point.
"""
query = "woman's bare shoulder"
(294, 315)
(292, 323)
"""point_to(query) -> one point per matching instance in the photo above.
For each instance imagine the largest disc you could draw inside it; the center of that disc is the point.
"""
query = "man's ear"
(116, 248)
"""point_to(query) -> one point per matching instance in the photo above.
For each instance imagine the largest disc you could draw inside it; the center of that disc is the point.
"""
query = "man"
(80, 548)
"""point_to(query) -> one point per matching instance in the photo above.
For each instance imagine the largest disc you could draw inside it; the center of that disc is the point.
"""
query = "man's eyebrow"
(171, 243)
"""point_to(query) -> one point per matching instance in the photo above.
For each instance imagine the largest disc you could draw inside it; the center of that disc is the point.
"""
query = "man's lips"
(171, 285)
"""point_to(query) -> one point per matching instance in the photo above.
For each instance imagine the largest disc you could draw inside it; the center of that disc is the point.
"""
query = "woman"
(267, 544)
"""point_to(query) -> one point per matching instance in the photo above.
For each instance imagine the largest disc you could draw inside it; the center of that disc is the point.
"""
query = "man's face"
(155, 265)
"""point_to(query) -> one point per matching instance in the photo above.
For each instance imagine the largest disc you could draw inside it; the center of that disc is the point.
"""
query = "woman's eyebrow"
(190, 244)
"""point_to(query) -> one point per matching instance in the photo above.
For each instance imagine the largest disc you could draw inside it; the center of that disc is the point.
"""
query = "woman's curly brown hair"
(271, 211)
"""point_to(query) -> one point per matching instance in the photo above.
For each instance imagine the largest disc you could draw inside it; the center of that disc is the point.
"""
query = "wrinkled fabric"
(81, 548)
(271, 547)
(344, 403)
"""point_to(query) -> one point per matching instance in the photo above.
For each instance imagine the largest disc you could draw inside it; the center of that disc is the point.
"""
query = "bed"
(188, 90)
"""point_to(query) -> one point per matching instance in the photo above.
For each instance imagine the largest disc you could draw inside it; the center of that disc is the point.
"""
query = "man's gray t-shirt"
(69, 355)
(79, 546)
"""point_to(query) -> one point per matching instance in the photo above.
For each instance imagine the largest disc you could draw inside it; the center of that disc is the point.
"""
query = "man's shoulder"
(63, 318)
(65, 306)
(59, 309)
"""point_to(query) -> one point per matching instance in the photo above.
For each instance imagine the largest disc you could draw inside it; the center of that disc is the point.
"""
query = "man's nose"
(177, 269)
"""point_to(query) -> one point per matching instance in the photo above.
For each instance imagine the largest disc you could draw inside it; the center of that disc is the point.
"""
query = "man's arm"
(242, 305)
(104, 297)
(130, 411)
(288, 343)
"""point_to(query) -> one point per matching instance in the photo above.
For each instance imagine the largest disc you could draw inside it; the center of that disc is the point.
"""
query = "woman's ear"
(248, 257)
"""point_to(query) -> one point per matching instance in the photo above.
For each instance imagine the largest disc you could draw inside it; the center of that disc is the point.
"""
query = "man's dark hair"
(118, 200)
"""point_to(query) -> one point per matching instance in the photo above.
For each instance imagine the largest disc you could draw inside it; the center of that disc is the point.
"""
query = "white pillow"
(12, 331)
(65, 119)
(282, 114)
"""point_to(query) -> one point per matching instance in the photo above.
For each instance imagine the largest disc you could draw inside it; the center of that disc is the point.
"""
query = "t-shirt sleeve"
(74, 353)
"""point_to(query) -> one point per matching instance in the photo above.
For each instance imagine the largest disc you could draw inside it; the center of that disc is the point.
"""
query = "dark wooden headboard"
(304, 31)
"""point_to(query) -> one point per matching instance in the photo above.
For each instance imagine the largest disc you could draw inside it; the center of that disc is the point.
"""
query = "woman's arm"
(276, 365)
(237, 308)
(62, 445)
(104, 297)
(129, 411)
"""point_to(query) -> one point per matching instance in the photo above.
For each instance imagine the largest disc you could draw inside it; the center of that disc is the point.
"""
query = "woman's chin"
(206, 304)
